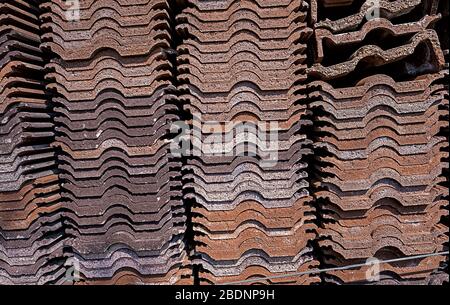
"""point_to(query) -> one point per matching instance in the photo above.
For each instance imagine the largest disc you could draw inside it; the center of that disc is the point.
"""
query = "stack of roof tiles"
(243, 62)
(442, 28)
(30, 233)
(309, 146)
(113, 97)
(382, 106)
